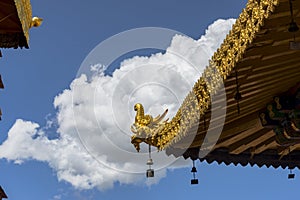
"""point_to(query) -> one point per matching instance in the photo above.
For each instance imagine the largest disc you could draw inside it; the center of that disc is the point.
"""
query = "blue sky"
(34, 77)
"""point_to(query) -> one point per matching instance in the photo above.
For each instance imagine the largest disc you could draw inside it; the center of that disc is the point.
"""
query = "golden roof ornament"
(36, 22)
(145, 127)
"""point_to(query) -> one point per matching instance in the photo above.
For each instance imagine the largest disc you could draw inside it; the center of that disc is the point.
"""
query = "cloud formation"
(94, 114)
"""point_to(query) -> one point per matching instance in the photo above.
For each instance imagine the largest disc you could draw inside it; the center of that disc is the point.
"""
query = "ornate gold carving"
(25, 16)
(145, 127)
(220, 66)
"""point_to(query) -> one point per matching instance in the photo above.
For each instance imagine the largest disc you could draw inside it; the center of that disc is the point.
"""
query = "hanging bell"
(194, 181)
(237, 96)
(150, 161)
(291, 175)
(194, 170)
(150, 173)
(293, 27)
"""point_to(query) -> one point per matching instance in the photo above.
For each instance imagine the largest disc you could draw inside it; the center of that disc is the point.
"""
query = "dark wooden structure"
(2, 194)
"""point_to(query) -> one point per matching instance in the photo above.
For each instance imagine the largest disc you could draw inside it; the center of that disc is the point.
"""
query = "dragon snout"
(137, 106)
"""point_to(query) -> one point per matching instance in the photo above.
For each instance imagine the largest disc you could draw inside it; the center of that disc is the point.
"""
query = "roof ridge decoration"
(220, 66)
(145, 127)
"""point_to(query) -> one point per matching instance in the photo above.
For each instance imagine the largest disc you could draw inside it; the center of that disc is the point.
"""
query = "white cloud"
(57, 197)
(94, 115)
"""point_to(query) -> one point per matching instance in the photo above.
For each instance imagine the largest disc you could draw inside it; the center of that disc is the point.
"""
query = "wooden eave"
(258, 50)
(2, 193)
(15, 21)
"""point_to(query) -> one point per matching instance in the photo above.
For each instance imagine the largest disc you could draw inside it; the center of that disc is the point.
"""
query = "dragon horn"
(160, 117)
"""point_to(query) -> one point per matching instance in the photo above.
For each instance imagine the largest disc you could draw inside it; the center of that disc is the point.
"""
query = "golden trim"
(25, 16)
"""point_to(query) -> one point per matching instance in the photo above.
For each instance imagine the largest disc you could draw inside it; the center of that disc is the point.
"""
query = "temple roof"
(259, 66)
(15, 21)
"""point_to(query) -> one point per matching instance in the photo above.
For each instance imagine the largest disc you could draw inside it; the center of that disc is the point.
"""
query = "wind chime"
(237, 94)
(293, 25)
(150, 172)
(293, 28)
(194, 181)
(291, 175)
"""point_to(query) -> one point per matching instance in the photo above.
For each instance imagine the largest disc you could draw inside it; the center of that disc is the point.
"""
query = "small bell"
(237, 96)
(150, 161)
(293, 27)
(291, 175)
(194, 170)
(149, 172)
(194, 181)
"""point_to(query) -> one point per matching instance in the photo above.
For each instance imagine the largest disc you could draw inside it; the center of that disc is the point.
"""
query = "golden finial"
(36, 22)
